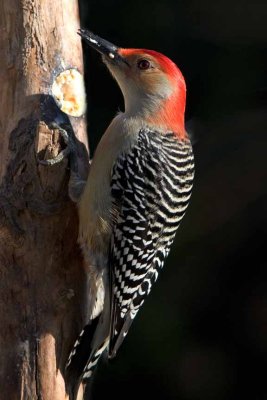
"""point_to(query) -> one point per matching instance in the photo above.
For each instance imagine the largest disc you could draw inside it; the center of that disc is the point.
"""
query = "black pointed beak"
(104, 47)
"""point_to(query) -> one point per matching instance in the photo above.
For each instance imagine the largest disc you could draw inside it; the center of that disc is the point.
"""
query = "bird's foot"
(69, 150)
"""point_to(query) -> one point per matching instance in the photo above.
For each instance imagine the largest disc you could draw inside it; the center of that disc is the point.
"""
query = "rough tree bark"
(41, 305)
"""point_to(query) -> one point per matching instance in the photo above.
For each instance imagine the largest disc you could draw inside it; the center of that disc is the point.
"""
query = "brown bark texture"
(41, 290)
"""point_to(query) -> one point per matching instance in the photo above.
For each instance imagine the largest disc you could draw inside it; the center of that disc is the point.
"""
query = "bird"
(136, 194)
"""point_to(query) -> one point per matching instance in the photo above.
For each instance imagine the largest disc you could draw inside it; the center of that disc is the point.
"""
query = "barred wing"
(151, 187)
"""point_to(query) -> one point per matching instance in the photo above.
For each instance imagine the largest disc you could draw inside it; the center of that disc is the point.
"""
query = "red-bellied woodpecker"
(136, 194)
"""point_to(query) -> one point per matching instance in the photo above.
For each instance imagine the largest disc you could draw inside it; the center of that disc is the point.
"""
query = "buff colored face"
(143, 70)
(152, 85)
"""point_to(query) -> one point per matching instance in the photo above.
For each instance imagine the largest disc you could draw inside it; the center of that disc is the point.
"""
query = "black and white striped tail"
(93, 360)
(79, 356)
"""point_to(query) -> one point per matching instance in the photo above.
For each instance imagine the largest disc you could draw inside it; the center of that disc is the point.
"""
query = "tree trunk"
(41, 278)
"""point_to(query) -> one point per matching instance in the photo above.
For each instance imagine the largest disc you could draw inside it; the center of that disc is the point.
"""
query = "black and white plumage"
(150, 187)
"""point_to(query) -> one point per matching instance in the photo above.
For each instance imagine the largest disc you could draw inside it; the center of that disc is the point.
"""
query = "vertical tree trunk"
(41, 305)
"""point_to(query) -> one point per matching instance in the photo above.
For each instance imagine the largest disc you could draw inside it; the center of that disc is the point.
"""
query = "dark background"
(202, 333)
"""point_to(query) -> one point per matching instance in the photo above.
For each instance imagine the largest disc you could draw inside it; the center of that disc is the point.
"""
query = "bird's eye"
(143, 64)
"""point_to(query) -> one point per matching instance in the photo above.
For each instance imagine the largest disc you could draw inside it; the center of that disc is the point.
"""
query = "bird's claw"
(52, 161)
(65, 152)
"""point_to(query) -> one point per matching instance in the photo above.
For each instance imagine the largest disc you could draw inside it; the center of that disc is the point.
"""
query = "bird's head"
(152, 85)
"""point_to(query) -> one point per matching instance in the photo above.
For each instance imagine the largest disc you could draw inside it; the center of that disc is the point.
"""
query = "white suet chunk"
(69, 92)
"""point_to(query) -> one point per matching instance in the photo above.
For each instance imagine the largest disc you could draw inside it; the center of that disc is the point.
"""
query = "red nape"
(171, 115)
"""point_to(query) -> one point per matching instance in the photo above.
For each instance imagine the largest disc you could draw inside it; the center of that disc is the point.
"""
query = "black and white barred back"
(151, 186)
